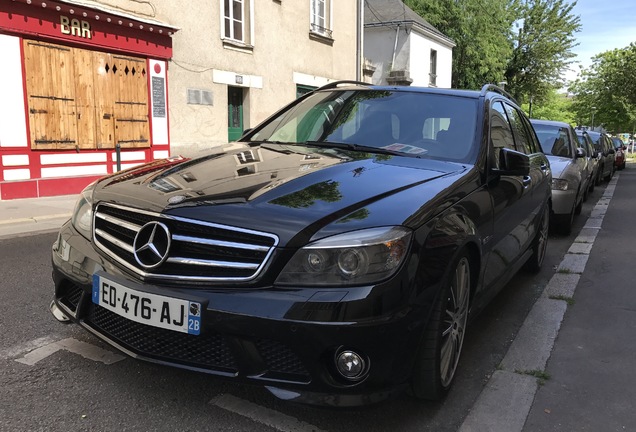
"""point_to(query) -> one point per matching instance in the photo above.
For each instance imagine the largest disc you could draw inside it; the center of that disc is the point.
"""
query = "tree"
(609, 86)
(542, 48)
(482, 31)
(555, 106)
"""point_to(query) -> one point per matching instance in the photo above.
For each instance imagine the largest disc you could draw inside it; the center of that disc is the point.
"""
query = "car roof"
(409, 89)
(549, 123)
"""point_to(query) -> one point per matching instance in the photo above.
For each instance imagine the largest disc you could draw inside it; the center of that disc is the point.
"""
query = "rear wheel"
(442, 341)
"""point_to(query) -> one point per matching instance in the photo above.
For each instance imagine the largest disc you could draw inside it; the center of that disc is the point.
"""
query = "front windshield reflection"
(408, 123)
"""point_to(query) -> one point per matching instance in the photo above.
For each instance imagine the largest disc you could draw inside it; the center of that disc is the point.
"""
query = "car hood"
(560, 165)
(272, 187)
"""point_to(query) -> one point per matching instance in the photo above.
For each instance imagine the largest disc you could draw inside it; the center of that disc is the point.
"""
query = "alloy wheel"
(454, 321)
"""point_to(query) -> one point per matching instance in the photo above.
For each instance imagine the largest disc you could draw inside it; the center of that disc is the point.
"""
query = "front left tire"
(442, 341)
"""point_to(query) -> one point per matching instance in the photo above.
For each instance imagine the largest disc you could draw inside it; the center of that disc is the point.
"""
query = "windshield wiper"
(360, 148)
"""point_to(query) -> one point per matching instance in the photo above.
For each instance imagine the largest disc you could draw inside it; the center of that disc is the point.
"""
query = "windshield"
(554, 140)
(408, 123)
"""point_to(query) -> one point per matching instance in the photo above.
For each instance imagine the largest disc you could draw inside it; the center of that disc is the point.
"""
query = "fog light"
(350, 365)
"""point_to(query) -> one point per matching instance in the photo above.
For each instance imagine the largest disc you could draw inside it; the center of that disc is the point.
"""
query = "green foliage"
(527, 43)
(608, 85)
(542, 48)
(482, 31)
(555, 106)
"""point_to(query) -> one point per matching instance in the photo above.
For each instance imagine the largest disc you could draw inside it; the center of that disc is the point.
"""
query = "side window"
(533, 141)
(320, 17)
(236, 20)
(500, 132)
(519, 131)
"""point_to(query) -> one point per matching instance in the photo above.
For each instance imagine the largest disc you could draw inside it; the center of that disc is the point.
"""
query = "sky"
(605, 25)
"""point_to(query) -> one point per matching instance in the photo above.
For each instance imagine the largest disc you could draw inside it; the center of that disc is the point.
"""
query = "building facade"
(92, 87)
(403, 48)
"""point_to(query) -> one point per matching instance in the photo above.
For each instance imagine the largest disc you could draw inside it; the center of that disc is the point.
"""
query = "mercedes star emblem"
(152, 244)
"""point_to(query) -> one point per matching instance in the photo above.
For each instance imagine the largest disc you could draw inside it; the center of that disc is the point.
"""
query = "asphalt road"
(56, 377)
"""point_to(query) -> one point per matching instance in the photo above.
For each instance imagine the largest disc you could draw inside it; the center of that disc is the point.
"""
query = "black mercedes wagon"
(334, 254)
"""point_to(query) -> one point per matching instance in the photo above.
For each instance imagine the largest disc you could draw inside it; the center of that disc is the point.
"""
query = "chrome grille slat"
(219, 243)
(120, 222)
(199, 251)
(127, 247)
(211, 263)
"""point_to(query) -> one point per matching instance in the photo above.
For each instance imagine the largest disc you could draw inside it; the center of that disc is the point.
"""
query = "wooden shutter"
(81, 99)
(131, 104)
(51, 101)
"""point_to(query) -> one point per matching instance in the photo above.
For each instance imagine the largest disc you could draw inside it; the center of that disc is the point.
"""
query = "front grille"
(199, 251)
(207, 351)
(70, 294)
(280, 359)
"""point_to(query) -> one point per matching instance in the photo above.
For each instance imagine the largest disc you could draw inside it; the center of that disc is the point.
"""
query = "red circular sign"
(157, 68)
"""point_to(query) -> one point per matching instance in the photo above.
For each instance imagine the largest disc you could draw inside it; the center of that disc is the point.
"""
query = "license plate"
(145, 308)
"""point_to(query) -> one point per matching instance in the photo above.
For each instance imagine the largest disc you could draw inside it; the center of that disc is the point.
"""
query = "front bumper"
(284, 339)
(563, 201)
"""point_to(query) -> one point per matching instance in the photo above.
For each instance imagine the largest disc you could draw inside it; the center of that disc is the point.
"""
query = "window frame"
(432, 75)
(325, 30)
(246, 21)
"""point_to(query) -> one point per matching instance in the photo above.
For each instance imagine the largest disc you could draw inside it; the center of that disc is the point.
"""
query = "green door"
(235, 113)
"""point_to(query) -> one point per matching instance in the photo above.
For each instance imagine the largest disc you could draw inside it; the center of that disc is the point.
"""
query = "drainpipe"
(397, 34)
(359, 30)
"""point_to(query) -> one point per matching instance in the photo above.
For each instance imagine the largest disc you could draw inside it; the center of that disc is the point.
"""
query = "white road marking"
(84, 349)
(26, 347)
(266, 416)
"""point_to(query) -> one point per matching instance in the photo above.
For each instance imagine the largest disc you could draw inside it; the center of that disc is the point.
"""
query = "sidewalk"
(592, 383)
(34, 215)
(571, 365)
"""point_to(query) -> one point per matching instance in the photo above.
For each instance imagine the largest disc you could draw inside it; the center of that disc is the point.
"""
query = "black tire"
(563, 222)
(442, 340)
(540, 243)
(579, 206)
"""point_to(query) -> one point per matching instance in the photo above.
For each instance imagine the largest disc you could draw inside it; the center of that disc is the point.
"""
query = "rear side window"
(500, 132)
(523, 140)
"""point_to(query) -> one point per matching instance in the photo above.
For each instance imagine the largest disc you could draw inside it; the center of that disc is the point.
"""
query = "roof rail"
(496, 89)
(335, 84)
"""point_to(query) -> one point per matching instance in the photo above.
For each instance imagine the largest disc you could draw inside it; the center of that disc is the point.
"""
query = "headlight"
(559, 184)
(353, 258)
(82, 218)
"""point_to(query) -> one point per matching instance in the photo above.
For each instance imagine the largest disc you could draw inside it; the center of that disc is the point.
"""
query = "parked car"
(603, 145)
(334, 255)
(620, 148)
(585, 142)
(571, 176)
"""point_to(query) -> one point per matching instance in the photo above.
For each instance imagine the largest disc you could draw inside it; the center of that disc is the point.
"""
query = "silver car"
(592, 158)
(571, 174)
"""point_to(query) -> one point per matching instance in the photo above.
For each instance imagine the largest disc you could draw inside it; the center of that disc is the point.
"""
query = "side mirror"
(580, 152)
(513, 163)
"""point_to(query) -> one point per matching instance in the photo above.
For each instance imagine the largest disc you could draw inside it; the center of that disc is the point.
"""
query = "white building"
(403, 48)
